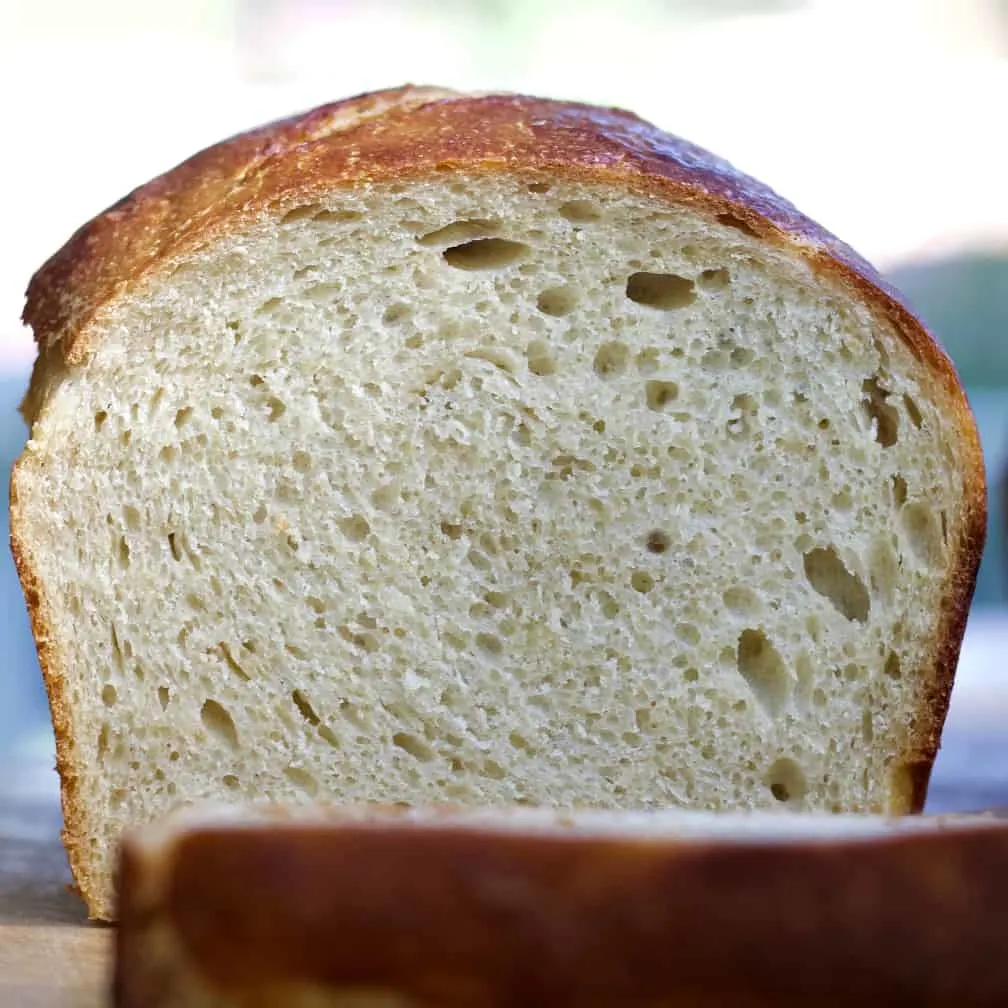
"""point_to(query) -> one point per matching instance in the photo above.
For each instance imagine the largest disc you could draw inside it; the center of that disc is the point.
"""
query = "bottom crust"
(400, 914)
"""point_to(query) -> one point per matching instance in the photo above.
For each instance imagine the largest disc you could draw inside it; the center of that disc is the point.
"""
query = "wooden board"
(50, 956)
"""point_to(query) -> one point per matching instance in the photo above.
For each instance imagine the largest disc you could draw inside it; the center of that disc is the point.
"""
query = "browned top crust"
(451, 916)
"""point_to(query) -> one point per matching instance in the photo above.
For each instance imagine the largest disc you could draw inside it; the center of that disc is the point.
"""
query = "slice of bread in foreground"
(491, 450)
(533, 908)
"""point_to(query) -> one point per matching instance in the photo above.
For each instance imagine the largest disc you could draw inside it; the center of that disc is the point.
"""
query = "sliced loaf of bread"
(613, 910)
(484, 449)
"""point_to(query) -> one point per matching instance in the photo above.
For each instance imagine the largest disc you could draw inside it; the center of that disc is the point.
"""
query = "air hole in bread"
(744, 409)
(329, 736)
(305, 708)
(312, 211)
(479, 560)
(867, 727)
(913, 411)
(557, 301)
(99, 419)
(302, 780)
(231, 782)
(103, 743)
(109, 695)
(740, 601)
(320, 293)
(396, 313)
(459, 231)
(893, 668)
(899, 489)
(164, 697)
(300, 213)
(493, 770)
(539, 188)
(539, 359)
(579, 211)
(123, 552)
(384, 498)
(414, 745)
(741, 356)
(498, 356)
(714, 279)
(642, 581)
(611, 359)
(688, 633)
(364, 641)
(339, 216)
(922, 532)
(489, 643)
(884, 418)
(660, 394)
(761, 666)
(485, 254)
(232, 663)
(219, 723)
(829, 577)
(884, 566)
(786, 781)
(609, 606)
(738, 223)
(276, 408)
(943, 518)
(664, 291)
(519, 741)
(131, 517)
(295, 651)
(270, 306)
(657, 541)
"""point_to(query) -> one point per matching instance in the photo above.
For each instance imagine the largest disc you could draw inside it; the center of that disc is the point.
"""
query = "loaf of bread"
(441, 910)
(488, 450)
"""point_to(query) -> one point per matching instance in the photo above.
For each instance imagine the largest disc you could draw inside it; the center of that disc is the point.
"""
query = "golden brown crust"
(452, 916)
(416, 132)
(61, 711)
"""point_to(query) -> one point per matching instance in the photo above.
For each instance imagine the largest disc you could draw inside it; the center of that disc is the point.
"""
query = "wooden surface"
(50, 956)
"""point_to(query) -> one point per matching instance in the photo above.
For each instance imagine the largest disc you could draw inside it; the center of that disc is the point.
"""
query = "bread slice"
(602, 909)
(488, 450)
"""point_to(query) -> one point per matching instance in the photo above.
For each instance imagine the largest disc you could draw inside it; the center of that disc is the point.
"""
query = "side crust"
(452, 917)
(422, 132)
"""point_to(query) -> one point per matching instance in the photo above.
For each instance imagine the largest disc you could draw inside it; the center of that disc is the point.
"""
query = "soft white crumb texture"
(487, 492)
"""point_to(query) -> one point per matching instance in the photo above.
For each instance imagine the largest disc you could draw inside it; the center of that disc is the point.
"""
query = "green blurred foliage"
(965, 302)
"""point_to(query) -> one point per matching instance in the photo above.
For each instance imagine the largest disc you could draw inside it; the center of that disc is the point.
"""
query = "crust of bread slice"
(421, 132)
(465, 912)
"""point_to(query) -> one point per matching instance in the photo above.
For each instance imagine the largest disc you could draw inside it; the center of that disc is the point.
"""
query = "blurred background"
(883, 119)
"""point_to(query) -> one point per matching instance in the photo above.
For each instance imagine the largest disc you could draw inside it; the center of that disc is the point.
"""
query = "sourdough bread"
(492, 450)
(451, 910)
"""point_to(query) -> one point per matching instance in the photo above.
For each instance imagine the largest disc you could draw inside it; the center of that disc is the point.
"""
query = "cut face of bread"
(497, 481)
(606, 909)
